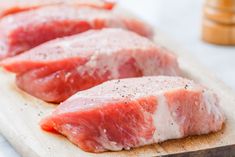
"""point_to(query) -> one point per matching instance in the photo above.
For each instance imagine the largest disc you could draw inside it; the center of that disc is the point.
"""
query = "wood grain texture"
(20, 114)
(225, 151)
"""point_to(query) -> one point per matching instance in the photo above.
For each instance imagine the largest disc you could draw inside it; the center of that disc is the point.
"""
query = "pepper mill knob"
(219, 22)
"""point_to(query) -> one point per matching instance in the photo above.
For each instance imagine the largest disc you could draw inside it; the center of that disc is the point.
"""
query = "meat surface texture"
(58, 69)
(8, 7)
(128, 113)
(23, 31)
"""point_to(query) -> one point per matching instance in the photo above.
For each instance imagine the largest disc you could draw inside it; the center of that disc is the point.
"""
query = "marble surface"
(181, 20)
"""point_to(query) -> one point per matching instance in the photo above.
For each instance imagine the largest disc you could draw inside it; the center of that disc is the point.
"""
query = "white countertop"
(181, 20)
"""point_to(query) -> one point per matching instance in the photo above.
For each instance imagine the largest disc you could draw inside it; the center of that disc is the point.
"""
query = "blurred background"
(181, 20)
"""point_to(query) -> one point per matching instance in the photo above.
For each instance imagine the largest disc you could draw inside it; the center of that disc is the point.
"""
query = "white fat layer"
(212, 106)
(166, 127)
(104, 63)
(106, 143)
(112, 63)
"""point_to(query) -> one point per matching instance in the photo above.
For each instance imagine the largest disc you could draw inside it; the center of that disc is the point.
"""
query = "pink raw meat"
(23, 31)
(128, 113)
(58, 69)
(8, 7)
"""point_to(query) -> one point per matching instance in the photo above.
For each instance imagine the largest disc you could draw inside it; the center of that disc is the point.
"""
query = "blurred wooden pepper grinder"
(219, 22)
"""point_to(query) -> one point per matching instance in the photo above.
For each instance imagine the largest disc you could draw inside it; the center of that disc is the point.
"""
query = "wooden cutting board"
(20, 114)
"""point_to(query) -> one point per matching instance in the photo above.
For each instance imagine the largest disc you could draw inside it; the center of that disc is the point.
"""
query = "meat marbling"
(8, 7)
(127, 113)
(23, 31)
(56, 70)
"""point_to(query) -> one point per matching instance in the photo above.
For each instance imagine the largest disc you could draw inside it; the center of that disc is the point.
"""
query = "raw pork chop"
(23, 31)
(8, 7)
(122, 114)
(56, 70)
